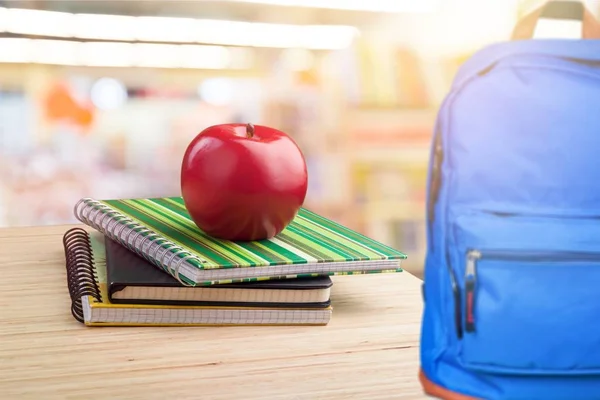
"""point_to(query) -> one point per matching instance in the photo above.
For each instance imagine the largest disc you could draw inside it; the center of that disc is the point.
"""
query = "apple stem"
(249, 130)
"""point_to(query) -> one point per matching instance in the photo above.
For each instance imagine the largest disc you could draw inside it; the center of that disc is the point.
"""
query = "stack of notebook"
(145, 262)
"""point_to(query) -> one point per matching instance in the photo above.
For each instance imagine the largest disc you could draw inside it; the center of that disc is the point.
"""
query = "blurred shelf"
(390, 155)
(391, 114)
(390, 121)
(394, 211)
(384, 135)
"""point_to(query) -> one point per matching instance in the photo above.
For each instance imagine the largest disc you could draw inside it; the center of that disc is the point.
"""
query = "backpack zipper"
(470, 282)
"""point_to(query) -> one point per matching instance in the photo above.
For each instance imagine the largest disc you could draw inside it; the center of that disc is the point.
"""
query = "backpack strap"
(522, 43)
(558, 10)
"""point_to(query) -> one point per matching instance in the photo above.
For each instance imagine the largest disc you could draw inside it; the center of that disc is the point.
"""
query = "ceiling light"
(206, 57)
(395, 6)
(114, 54)
(175, 30)
(57, 52)
(3, 19)
(107, 54)
(157, 55)
(107, 27)
(38, 22)
(15, 50)
(164, 29)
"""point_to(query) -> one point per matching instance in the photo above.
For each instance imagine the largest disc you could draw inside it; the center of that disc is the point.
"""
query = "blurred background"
(100, 98)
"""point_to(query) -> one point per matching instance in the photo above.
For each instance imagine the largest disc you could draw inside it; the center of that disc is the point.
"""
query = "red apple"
(243, 182)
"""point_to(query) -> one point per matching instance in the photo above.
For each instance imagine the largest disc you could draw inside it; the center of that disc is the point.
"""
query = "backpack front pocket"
(529, 308)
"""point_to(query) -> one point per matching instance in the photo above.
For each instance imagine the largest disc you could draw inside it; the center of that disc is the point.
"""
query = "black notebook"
(133, 280)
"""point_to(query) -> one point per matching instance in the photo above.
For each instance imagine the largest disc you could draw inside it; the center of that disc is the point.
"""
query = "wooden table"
(369, 350)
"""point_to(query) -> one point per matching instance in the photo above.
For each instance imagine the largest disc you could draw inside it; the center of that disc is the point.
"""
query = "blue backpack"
(512, 271)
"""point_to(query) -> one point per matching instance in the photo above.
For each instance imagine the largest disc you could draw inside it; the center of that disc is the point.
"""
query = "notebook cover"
(161, 230)
(88, 289)
(125, 268)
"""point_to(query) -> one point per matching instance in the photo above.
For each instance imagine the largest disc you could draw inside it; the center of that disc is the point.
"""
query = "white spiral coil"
(113, 224)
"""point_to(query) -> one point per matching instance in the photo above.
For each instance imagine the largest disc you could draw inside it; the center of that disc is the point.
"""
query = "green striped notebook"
(161, 231)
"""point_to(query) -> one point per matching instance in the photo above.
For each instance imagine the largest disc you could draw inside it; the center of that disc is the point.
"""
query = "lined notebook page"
(208, 316)
(224, 294)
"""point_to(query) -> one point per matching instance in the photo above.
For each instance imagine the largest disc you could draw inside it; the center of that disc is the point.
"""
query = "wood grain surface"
(368, 351)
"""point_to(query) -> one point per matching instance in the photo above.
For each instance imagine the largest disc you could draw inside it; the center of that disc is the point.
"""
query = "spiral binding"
(81, 277)
(112, 224)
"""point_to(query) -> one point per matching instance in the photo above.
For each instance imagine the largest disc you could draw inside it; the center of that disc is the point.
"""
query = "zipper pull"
(470, 283)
